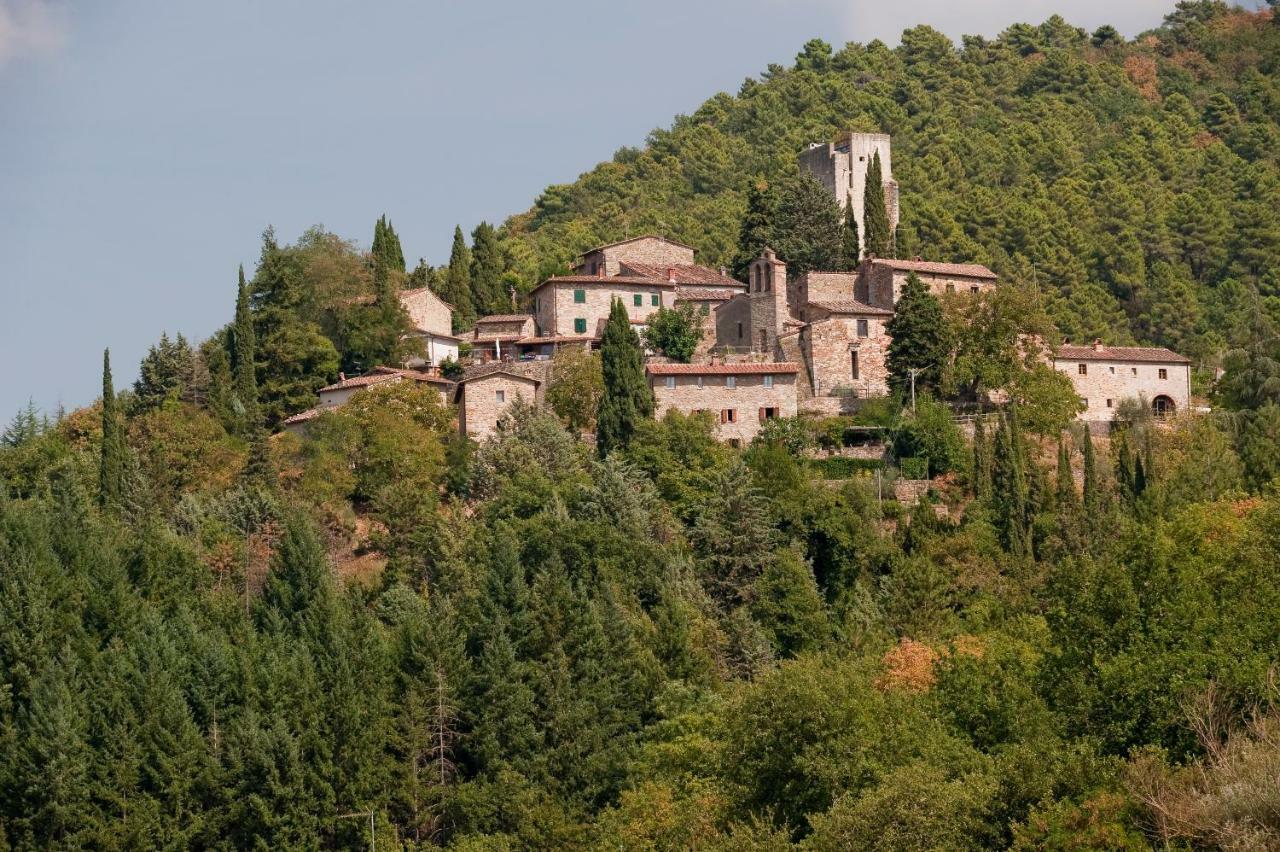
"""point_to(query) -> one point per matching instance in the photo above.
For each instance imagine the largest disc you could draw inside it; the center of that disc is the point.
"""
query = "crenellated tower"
(841, 166)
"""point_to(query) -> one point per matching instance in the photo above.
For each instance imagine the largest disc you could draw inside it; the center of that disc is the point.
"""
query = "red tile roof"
(849, 306)
(695, 294)
(554, 338)
(722, 369)
(382, 374)
(607, 281)
(929, 267)
(309, 414)
(683, 273)
(505, 318)
(636, 240)
(1067, 352)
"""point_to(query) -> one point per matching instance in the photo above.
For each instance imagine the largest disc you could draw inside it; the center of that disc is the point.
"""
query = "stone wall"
(653, 250)
(523, 327)
(829, 346)
(881, 285)
(842, 168)
(746, 400)
(909, 491)
(555, 309)
(733, 324)
(1106, 383)
(820, 286)
(481, 409)
(427, 311)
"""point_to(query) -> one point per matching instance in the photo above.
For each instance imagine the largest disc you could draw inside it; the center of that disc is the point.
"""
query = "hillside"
(1137, 183)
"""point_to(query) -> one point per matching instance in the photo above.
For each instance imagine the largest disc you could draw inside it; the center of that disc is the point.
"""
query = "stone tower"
(842, 165)
(767, 289)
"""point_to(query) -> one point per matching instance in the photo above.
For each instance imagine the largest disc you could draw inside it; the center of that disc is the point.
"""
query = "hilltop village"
(775, 345)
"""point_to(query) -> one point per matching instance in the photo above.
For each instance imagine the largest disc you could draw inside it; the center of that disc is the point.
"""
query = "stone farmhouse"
(486, 394)
(432, 320)
(740, 397)
(336, 395)
(1105, 375)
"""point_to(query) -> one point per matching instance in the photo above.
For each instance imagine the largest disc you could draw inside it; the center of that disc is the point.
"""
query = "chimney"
(671, 274)
(917, 258)
(1097, 344)
(342, 377)
(715, 358)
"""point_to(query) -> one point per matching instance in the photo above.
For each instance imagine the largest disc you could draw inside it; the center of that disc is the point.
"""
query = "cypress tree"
(852, 248)
(981, 460)
(806, 227)
(386, 248)
(756, 229)
(1092, 487)
(1066, 485)
(875, 218)
(243, 353)
(456, 289)
(919, 339)
(627, 397)
(486, 271)
(1124, 468)
(1010, 497)
(111, 465)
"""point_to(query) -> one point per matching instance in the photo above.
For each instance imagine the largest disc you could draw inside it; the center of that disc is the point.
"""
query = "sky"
(145, 146)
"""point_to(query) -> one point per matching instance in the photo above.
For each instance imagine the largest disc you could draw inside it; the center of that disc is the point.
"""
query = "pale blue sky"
(145, 145)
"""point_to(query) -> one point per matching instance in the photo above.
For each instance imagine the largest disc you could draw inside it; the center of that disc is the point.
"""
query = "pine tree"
(806, 227)
(243, 353)
(627, 397)
(486, 271)
(852, 248)
(878, 240)
(165, 373)
(920, 339)
(756, 229)
(113, 465)
(457, 283)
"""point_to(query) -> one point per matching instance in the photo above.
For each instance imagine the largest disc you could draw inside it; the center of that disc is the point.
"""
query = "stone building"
(432, 320)
(497, 335)
(842, 166)
(336, 395)
(846, 346)
(650, 250)
(486, 394)
(881, 280)
(740, 397)
(577, 305)
(1105, 375)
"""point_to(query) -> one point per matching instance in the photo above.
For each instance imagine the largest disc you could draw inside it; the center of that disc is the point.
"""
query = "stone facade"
(740, 397)
(432, 320)
(649, 249)
(881, 280)
(846, 353)
(1105, 375)
(559, 313)
(823, 286)
(485, 398)
(770, 303)
(842, 166)
(733, 325)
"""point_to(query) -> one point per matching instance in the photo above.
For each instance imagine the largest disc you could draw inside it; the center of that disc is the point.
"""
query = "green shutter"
(653, 300)
(580, 326)
(579, 297)
(637, 300)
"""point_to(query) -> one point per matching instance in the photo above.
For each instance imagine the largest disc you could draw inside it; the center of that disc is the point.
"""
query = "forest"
(216, 634)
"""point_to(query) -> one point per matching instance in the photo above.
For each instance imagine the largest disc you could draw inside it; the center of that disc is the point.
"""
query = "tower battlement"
(841, 166)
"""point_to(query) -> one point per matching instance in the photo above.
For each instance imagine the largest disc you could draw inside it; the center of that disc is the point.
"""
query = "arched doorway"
(1162, 406)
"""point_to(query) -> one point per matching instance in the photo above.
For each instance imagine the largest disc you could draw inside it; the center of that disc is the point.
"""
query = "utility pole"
(914, 371)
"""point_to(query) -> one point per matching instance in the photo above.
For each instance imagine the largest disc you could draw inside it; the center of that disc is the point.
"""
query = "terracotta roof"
(554, 338)
(636, 240)
(722, 369)
(695, 294)
(599, 279)
(1120, 353)
(505, 318)
(516, 369)
(304, 416)
(683, 273)
(417, 290)
(849, 306)
(382, 374)
(966, 270)
(476, 337)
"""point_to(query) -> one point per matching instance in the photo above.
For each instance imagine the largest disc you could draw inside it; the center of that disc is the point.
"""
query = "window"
(731, 381)
(637, 300)
(853, 365)
(739, 331)
(1084, 400)
(1083, 369)
(768, 414)
(579, 297)
(768, 381)
(671, 382)
(951, 288)
(580, 325)
(728, 415)
(501, 396)
(736, 443)
(862, 328)
(973, 289)
(1113, 370)
(1108, 403)
(1133, 371)
(699, 381)
(1164, 374)
(654, 301)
